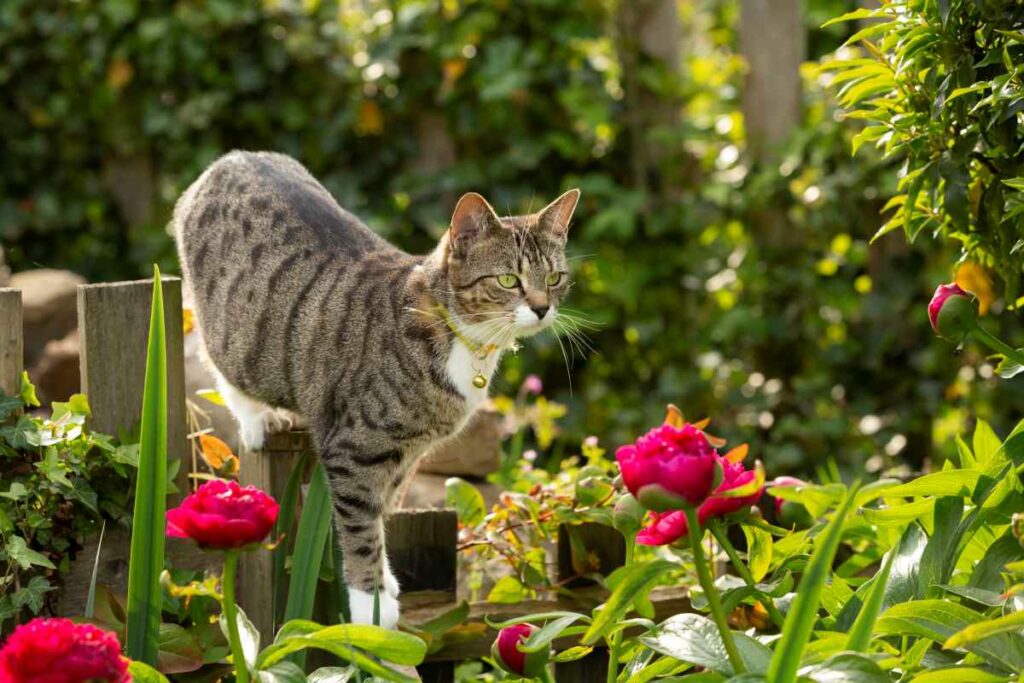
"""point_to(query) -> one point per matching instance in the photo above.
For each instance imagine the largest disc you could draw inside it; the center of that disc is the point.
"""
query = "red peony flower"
(951, 312)
(224, 516)
(61, 651)
(671, 526)
(669, 467)
(509, 657)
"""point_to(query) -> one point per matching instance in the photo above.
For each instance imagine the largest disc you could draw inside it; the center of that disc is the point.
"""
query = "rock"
(56, 372)
(476, 452)
(50, 309)
(427, 491)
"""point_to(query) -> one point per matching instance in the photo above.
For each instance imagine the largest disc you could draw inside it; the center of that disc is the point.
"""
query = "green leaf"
(960, 674)
(937, 620)
(632, 582)
(507, 591)
(466, 499)
(847, 667)
(860, 634)
(146, 560)
(18, 550)
(541, 639)
(572, 654)
(144, 673)
(283, 528)
(32, 595)
(940, 554)
(986, 444)
(988, 572)
(311, 537)
(948, 483)
(332, 674)
(1008, 623)
(9, 404)
(282, 672)
(28, 391)
(212, 395)
(759, 550)
(804, 612)
(247, 634)
(863, 13)
(695, 639)
(349, 641)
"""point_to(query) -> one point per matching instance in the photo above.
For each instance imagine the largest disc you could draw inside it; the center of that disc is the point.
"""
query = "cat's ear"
(472, 216)
(556, 215)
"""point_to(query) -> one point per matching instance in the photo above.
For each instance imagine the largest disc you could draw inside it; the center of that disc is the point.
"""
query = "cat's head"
(507, 276)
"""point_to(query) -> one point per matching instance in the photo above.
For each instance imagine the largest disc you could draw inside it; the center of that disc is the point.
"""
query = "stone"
(56, 371)
(50, 307)
(476, 452)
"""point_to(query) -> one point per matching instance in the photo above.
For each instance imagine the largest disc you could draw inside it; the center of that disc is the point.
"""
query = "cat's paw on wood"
(360, 605)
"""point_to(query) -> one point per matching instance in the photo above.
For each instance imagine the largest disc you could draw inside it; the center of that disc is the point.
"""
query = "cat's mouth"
(529, 322)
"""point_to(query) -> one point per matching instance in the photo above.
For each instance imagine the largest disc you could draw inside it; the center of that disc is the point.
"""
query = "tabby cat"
(304, 311)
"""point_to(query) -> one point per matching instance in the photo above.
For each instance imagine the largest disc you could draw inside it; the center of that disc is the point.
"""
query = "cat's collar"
(480, 351)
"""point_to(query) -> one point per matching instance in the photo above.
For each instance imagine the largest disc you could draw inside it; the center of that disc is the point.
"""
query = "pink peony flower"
(61, 651)
(784, 481)
(224, 516)
(509, 657)
(669, 467)
(533, 385)
(951, 312)
(671, 526)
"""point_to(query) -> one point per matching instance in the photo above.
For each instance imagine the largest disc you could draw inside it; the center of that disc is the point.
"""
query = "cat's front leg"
(358, 493)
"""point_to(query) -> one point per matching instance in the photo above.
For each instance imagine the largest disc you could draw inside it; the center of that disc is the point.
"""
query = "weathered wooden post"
(609, 548)
(268, 469)
(113, 321)
(422, 549)
(11, 341)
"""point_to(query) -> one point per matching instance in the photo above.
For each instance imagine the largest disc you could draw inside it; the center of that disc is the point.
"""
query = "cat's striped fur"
(303, 309)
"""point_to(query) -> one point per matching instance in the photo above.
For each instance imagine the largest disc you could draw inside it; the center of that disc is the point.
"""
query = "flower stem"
(997, 345)
(741, 568)
(545, 676)
(231, 616)
(704, 576)
(613, 654)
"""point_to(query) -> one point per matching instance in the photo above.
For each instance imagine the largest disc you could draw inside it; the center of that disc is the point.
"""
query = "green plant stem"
(231, 616)
(545, 677)
(613, 654)
(997, 345)
(704, 576)
(741, 568)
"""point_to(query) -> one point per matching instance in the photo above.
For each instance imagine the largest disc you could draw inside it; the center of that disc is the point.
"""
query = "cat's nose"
(540, 311)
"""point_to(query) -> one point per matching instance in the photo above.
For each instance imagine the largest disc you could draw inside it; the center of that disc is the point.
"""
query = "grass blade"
(804, 612)
(90, 598)
(148, 519)
(311, 537)
(864, 626)
(285, 522)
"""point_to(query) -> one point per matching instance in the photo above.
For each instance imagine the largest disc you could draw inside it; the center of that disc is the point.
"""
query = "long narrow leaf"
(860, 634)
(311, 538)
(90, 598)
(147, 547)
(283, 527)
(804, 612)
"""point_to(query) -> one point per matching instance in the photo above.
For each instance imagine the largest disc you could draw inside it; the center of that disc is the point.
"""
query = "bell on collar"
(479, 381)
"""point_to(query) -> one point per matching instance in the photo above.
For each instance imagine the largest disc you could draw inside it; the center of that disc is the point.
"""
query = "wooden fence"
(422, 545)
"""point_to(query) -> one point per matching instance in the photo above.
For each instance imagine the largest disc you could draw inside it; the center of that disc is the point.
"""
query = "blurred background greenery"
(721, 248)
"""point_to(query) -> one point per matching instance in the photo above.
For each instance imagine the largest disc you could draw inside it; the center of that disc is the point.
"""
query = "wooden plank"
(269, 470)
(421, 607)
(421, 546)
(113, 322)
(12, 350)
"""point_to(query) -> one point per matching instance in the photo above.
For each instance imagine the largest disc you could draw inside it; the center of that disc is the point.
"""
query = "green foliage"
(938, 84)
(60, 481)
(146, 560)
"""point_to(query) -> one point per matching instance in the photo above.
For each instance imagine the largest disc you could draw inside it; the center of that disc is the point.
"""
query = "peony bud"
(670, 467)
(61, 651)
(629, 515)
(223, 515)
(951, 313)
(509, 657)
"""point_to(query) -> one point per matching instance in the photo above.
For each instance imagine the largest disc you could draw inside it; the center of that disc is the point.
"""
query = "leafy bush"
(939, 85)
(61, 482)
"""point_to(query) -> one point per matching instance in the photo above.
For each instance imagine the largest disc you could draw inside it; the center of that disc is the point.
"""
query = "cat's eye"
(508, 280)
(553, 279)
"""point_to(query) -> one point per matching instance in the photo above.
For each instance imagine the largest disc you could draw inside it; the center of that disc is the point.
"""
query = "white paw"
(252, 430)
(391, 586)
(360, 605)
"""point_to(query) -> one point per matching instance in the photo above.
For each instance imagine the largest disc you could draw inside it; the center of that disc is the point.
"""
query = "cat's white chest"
(463, 366)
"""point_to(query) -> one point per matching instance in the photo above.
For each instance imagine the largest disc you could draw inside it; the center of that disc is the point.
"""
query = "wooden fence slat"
(421, 547)
(269, 470)
(113, 321)
(12, 351)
